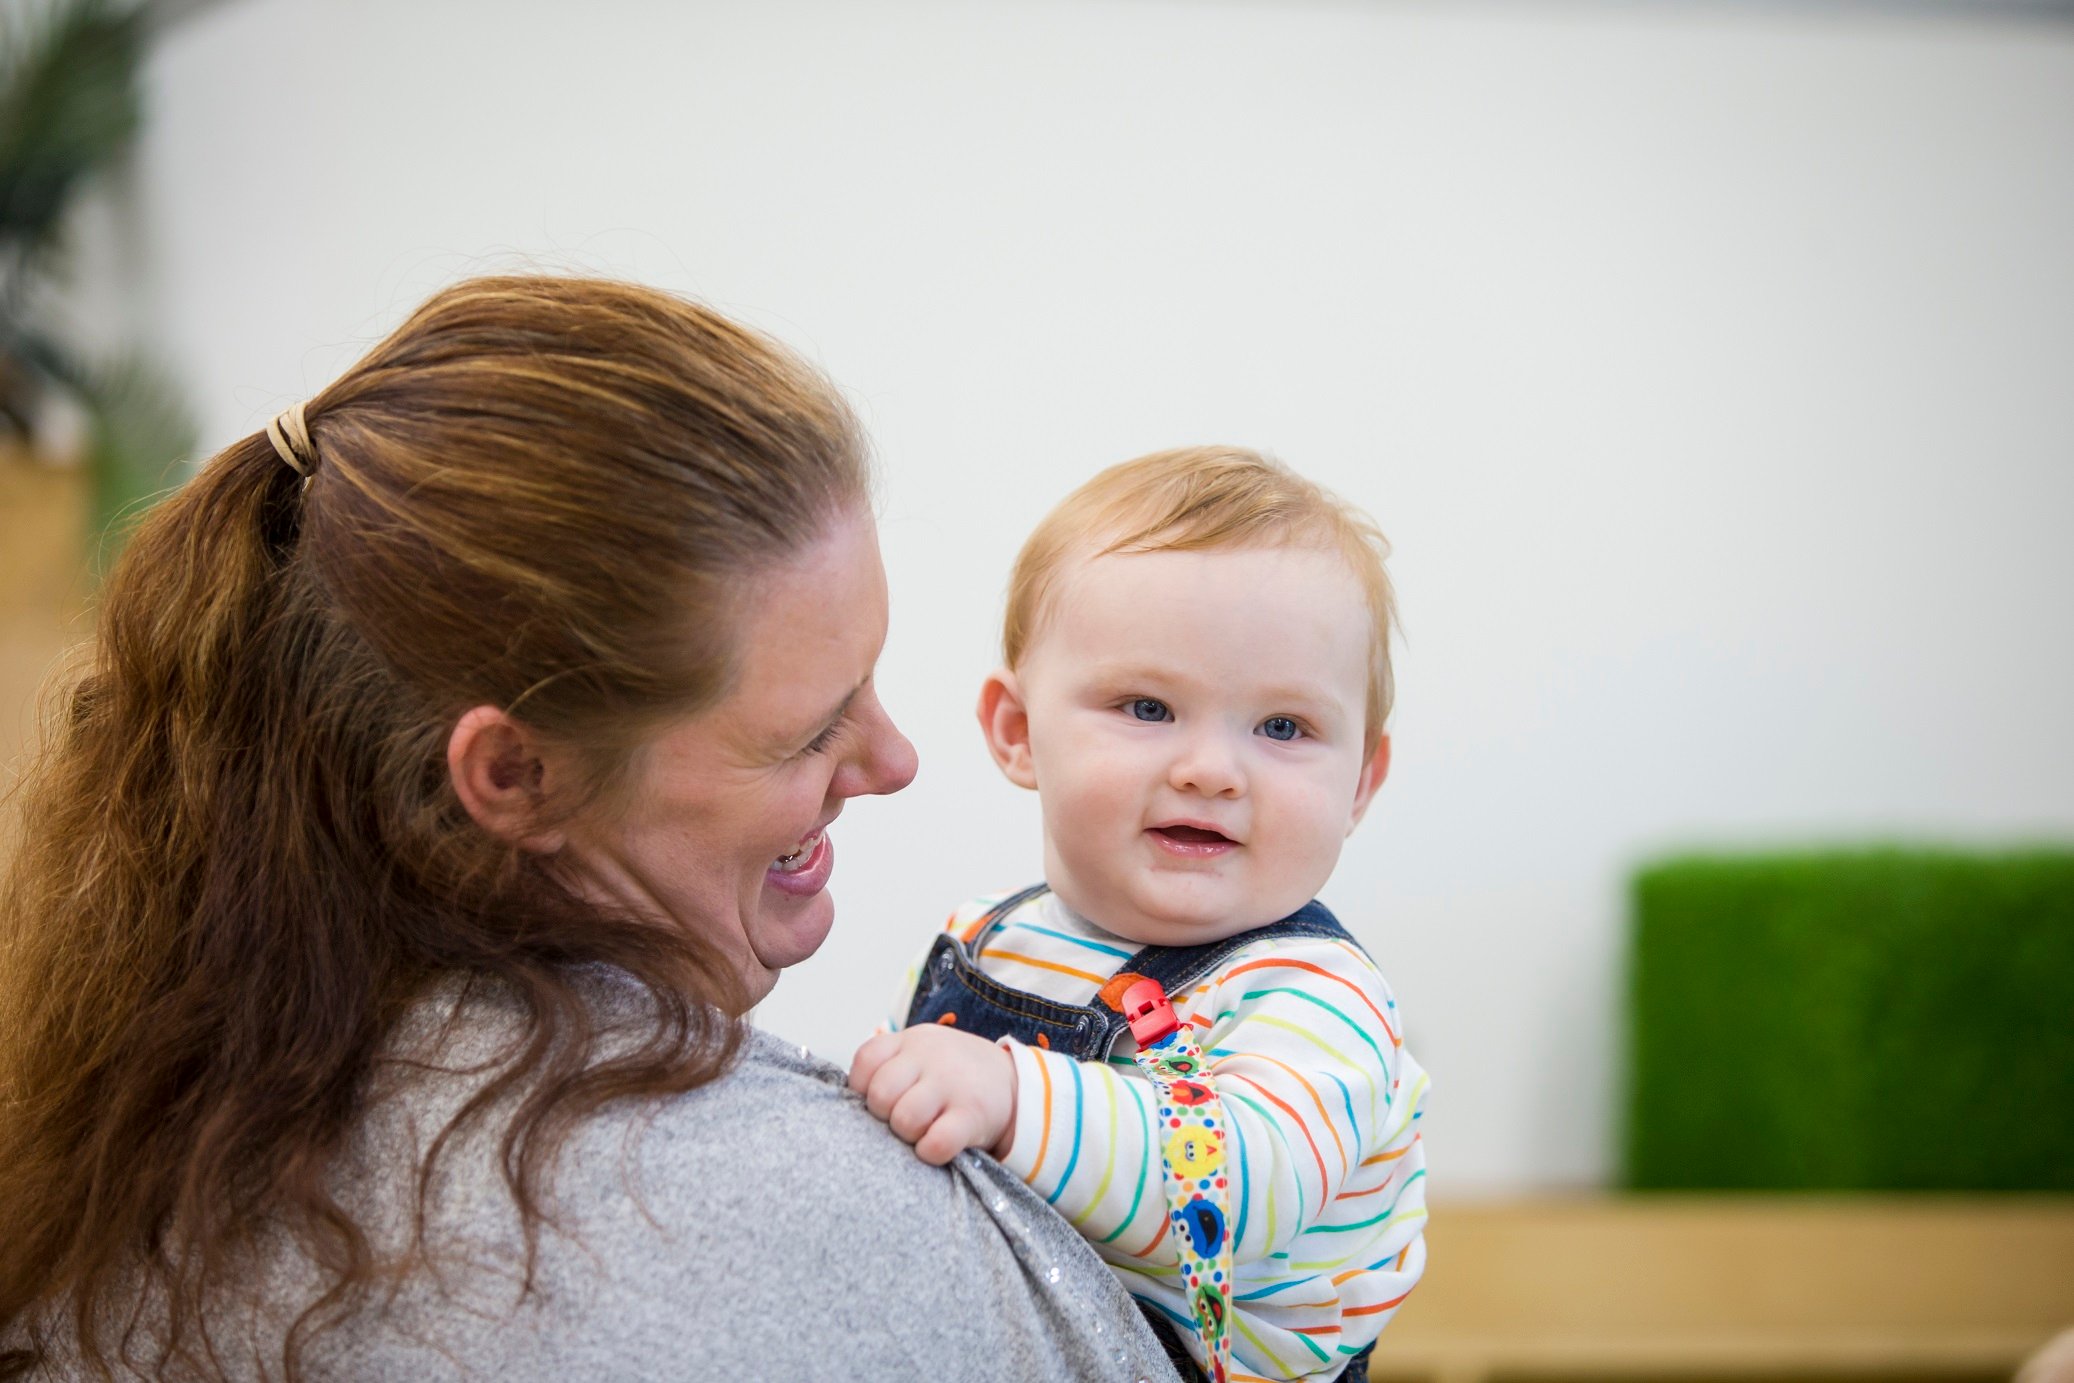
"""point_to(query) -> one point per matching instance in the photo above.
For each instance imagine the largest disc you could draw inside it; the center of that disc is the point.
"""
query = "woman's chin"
(789, 929)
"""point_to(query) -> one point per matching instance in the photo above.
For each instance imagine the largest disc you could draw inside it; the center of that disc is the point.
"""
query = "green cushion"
(1880, 1020)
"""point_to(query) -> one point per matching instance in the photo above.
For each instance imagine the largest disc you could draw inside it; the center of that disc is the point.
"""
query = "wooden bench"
(1734, 1287)
(43, 588)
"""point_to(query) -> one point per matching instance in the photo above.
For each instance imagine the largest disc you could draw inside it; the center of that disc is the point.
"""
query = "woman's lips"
(1192, 842)
(805, 872)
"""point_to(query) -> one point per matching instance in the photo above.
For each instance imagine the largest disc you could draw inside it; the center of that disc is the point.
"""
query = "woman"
(454, 770)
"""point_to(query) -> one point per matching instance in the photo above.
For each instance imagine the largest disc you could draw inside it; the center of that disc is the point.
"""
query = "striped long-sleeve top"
(1321, 1101)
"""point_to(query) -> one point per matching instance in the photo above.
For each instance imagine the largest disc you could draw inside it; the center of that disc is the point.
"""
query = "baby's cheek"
(1088, 819)
(1090, 805)
(1310, 835)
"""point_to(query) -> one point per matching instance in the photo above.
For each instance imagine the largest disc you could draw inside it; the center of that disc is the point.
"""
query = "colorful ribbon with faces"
(1191, 1154)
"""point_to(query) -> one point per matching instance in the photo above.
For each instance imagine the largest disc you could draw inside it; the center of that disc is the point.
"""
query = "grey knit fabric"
(764, 1226)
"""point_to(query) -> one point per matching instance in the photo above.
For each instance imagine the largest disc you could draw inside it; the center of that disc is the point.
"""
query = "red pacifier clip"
(1191, 1159)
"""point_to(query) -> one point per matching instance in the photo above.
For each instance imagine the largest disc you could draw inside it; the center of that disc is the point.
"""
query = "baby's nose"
(1207, 764)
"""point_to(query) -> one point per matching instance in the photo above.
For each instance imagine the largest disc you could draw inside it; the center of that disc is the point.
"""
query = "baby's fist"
(940, 1089)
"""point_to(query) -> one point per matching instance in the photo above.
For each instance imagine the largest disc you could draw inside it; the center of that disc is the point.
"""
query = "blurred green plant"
(1875, 1020)
(70, 108)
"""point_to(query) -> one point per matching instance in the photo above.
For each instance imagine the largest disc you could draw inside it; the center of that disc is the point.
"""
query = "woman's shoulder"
(762, 1224)
(779, 1113)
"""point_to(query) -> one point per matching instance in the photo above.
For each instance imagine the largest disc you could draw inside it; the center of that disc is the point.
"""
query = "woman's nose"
(1207, 764)
(885, 760)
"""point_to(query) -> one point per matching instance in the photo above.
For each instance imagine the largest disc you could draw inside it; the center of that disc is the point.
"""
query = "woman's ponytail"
(119, 822)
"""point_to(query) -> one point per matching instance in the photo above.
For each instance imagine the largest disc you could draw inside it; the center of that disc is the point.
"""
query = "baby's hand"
(939, 1089)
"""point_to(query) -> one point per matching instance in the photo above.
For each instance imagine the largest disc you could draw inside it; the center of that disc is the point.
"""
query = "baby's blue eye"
(1145, 708)
(1279, 728)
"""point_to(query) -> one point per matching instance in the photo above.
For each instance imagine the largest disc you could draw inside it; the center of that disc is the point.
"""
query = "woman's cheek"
(805, 792)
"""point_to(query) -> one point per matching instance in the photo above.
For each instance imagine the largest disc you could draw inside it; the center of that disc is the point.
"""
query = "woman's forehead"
(811, 628)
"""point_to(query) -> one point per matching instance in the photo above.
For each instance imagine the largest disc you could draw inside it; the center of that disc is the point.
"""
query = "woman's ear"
(500, 776)
(1005, 721)
(1372, 774)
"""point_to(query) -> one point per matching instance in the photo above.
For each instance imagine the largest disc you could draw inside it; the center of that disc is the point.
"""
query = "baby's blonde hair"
(1200, 499)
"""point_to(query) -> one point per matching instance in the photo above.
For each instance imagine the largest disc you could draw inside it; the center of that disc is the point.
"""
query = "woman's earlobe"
(1005, 721)
(500, 776)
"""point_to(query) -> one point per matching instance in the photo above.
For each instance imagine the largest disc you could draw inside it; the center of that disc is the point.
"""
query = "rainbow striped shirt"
(1328, 1194)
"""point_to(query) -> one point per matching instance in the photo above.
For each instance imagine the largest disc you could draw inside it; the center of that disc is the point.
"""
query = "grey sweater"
(764, 1226)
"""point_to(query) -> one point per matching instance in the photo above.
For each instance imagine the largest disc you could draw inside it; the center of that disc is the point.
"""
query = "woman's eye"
(1145, 708)
(819, 743)
(1279, 728)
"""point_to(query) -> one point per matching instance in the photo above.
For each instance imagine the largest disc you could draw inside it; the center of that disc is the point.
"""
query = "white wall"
(1713, 372)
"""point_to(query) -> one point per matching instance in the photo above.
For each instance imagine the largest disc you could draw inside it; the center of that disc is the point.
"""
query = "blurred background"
(1710, 366)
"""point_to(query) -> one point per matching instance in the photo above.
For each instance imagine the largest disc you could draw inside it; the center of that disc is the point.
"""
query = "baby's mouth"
(1188, 840)
(1193, 835)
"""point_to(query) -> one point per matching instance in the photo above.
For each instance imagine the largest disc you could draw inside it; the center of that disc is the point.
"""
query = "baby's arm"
(1306, 1061)
(1325, 1173)
(940, 1089)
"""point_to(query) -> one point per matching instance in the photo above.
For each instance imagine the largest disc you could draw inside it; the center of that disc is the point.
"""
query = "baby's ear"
(1005, 721)
(1372, 774)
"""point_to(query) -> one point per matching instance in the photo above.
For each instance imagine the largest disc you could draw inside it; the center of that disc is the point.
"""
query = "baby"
(1196, 682)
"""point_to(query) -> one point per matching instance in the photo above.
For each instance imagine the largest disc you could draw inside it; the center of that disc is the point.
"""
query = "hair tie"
(290, 434)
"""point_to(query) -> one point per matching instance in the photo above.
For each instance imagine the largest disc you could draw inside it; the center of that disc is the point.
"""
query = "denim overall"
(951, 989)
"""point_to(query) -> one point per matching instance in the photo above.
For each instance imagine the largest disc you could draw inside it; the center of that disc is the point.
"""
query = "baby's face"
(1195, 725)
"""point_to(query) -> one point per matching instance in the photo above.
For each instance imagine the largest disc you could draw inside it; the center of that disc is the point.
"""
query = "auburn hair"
(1197, 499)
(240, 859)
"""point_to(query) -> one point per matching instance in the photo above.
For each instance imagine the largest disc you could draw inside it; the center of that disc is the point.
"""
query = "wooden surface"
(1736, 1287)
(43, 588)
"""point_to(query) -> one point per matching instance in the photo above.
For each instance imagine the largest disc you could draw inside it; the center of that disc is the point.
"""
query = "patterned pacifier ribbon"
(1191, 1155)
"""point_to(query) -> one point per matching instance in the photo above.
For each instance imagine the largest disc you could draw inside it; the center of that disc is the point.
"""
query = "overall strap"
(1179, 968)
(952, 989)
